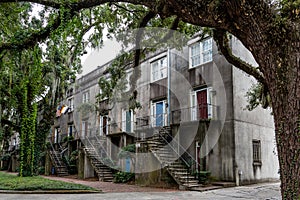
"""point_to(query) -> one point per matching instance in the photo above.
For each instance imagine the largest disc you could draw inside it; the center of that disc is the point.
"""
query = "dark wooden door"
(202, 104)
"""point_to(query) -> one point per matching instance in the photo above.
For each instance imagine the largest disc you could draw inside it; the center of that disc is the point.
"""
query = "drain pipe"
(169, 86)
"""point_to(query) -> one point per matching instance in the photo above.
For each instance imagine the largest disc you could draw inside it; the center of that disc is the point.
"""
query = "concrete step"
(191, 185)
(177, 169)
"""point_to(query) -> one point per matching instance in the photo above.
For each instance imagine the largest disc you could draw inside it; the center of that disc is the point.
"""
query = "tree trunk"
(287, 127)
(284, 85)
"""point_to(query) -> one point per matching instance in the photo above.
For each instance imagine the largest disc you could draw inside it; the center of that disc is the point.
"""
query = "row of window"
(199, 53)
(201, 108)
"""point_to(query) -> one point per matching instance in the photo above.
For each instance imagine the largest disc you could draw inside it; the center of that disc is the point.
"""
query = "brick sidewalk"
(109, 186)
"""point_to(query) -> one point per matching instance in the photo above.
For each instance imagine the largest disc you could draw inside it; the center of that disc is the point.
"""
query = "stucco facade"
(219, 133)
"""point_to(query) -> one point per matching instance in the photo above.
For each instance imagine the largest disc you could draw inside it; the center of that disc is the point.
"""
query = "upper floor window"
(71, 130)
(71, 104)
(128, 75)
(86, 97)
(127, 121)
(159, 69)
(201, 52)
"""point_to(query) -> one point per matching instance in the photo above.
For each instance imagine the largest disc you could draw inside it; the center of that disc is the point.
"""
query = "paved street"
(269, 191)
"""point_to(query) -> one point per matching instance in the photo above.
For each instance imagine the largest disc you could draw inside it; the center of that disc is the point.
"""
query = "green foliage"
(127, 151)
(67, 138)
(13, 182)
(203, 176)
(74, 157)
(5, 157)
(258, 95)
(123, 177)
(72, 161)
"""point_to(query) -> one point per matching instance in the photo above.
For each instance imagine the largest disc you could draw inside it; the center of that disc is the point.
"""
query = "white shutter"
(209, 103)
(124, 120)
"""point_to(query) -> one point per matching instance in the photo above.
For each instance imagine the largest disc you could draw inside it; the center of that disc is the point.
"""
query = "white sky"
(99, 57)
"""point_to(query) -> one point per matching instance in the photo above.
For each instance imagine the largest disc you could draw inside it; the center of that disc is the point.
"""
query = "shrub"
(123, 177)
(5, 157)
(203, 176)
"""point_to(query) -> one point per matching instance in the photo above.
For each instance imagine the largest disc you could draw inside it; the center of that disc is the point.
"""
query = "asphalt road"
(267, 191)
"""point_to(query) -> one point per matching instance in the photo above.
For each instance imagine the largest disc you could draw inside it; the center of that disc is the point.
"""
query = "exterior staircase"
(96, 153)
(59, 165)
(178, 167)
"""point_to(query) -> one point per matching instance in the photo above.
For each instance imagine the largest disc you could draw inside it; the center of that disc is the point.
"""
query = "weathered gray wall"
(249, 125)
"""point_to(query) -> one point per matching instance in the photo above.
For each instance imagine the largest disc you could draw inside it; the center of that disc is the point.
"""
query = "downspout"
(169, 86)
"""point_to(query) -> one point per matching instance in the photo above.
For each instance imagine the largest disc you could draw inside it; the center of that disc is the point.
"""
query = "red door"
(202, 104)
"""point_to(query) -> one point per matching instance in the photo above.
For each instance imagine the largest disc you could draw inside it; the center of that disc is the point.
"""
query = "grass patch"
(14, 182)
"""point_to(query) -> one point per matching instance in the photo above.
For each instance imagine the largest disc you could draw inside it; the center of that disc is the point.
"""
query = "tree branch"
(139, 34)
(10, 123)
(81, 35)
(80, 4)
(130, 11)
(33, 39)
(223, 43)
(50, 3)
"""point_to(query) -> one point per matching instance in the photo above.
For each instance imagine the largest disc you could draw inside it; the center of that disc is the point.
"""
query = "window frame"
(153, 113)
(128, 75)
(71, 129)
(86, 97)
(84, 129)
(71, 104)
(101, 127)
(201, 53)
(256, 152)
(160, 69)
(194, 103)
(124, 120)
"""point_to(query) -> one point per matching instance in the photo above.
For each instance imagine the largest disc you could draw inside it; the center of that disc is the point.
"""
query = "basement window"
(256, 146)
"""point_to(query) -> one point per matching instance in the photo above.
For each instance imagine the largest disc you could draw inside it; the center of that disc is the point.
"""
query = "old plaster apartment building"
(191, 118)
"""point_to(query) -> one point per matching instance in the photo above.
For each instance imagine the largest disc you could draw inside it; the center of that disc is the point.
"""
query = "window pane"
(195, 54)
(159, 69)
(207, 50)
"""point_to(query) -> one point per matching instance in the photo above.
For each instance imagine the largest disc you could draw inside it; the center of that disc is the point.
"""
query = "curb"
(48, 192)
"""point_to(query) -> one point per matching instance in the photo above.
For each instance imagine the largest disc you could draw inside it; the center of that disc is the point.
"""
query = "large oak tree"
(269, 29)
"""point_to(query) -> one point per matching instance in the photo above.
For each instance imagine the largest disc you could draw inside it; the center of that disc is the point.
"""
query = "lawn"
(14, 182)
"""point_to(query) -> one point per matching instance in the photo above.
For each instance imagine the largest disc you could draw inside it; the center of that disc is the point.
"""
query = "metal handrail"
(105, 152)
(187, 113)
(53, 150)
(100, 156)
(152, 121)
(181, 148)
(185, 162)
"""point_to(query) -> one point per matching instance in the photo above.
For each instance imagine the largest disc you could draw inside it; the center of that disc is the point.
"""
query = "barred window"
(256, 152)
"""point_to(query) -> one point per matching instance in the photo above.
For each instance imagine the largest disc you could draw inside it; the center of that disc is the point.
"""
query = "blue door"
(159, 114)
(127, 165)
